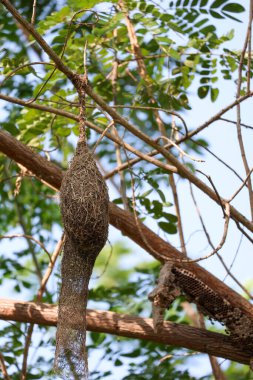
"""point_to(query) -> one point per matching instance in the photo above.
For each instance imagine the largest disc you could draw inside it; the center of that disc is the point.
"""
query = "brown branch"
(126, 221)
(178, 213)
(3, 368)
(113, 77)
(238, 112)
(244, 183)
(130, 326)
(34, 12)
(234, 213)
(216, 117)
(141, 155)
(182, 170)
(249, 45)
(122, 220)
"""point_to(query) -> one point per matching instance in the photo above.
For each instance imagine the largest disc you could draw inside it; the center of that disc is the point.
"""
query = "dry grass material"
(84, 208)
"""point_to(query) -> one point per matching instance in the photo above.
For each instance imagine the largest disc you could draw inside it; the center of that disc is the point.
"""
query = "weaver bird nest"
(84, 208)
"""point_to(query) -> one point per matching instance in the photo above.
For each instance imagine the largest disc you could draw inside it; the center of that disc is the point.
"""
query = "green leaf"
(168, 227)
(9, 359)
(77, 5)
(174, 54)
(203, 91)
(53, 19)
(233, 7)
(170, 217)
(162, 196)
(26, 284)
(132, 354)
(64, 131)
(216, 14)
(11, 128)
(214, 94)
(218, 3)
(146, 193)
(231, 17)
(157, 209)
(97, 338)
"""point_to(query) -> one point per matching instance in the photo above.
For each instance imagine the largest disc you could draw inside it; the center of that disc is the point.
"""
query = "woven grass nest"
(84, 202)
(84, 207)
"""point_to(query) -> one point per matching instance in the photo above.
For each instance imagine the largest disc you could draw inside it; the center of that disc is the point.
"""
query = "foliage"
(182, 50)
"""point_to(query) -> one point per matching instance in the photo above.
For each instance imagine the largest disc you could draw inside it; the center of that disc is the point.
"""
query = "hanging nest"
(84, 209)
(84, 202)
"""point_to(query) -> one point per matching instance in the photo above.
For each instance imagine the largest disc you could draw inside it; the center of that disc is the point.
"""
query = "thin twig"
(219, 159)
(16, 70)
(244, 232)
(237, 216)
(3, 368)
(179, 149)
(215, 190)
(170, 112)
(29, 243)
(241, 187)
(238, 113)
(235, 122)
(249, 45)
(178, 213)
(113, 77)
(212, 245)
(143, 74)
(143, 156)
(222, 241)
(102, 136)
(106, 263)
(34, 12)
(40, 292)
(50, 268)
(217, 116)
(27, 237)
(235, 256)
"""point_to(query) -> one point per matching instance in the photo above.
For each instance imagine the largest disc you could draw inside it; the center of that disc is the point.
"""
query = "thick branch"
(122, 220)
(76, 80)
(130, 326)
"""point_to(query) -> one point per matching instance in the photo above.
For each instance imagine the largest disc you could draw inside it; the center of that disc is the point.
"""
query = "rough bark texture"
(125, 222)
(130, 326)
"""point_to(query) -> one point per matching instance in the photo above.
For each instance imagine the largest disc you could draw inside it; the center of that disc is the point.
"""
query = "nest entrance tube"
(84, 207)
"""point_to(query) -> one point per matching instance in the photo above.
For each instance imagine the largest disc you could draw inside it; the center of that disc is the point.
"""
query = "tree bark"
(124, 221)
(130, 326)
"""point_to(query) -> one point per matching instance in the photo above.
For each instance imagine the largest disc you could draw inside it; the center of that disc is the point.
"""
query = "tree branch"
(125, 222)
(30, 28)
(76, 80)
(116, 139)
(130, 326)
